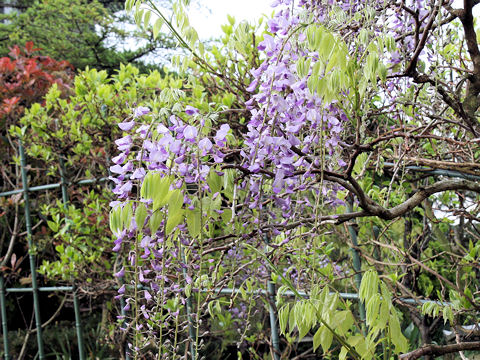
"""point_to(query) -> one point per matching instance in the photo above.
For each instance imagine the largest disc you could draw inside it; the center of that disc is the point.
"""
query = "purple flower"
(221, 135)
(121, 273)
(126, 126)
(119, 159)
(190, 133)
(124, 143)
(273, 26)
(205, 145)
(146, 242)
(140, 111)
(138, 174)
(190, 110)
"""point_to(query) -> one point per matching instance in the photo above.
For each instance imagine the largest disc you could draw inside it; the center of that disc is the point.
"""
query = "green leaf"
(291, 320)
(146, 188)
(283, 317)
(369, 285)
(156, 27)
(146, 19)
(129, 5)
(155, 221)
(448, 314)
(126, 217)
(372, 307)
(175, 202)
(173, 221)
(161, 190)
(397, 338)
(326, 338)
(54, 226)
(140, 215)
(317, 338)
(115, 221)
(343, 321)
(194, 222)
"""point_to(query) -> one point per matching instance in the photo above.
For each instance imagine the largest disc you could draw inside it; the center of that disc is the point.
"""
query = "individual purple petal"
(205, 145)
(252, 86)
(190, 133)
(116, 169)
(124, 143)
(119, 159)
(121, 273)
(140, 111)
(190, 110)
(138, 174)
(162, 129)
(126, 126)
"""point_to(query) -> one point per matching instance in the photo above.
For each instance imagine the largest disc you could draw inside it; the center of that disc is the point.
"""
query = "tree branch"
(412, 66)
(439, 350)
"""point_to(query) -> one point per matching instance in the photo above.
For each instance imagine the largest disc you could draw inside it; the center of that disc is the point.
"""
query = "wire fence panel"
(34, 289)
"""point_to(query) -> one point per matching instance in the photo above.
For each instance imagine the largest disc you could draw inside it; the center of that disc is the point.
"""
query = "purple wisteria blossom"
(140, 111)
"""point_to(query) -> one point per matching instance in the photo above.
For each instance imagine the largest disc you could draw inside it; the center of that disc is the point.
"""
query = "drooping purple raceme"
(292, 134)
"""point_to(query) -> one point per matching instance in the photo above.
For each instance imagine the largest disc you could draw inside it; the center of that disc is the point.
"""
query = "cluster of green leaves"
(79, 130)
(80, 238)
(335, 326)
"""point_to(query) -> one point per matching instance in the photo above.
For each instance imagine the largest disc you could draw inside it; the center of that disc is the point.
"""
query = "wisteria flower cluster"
(184, 183)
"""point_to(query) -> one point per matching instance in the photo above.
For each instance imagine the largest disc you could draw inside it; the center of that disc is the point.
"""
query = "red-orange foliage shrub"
(25, 78)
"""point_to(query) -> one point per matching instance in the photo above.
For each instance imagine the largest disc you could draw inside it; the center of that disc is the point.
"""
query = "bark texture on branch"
(439, 350)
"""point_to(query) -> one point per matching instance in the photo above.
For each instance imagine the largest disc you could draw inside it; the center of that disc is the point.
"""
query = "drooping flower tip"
(120, 274)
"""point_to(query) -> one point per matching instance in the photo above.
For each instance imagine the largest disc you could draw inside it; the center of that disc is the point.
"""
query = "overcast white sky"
(208, 17)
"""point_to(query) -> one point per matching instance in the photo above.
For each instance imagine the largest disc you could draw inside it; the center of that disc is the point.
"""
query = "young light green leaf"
(194, 222)
(155, 221)
(173, 221)
(146, 19)
(283, 317)
(317, 338)
(396, 336)
(175, 202)
(161, 190)
(140, 215)
(156, 27)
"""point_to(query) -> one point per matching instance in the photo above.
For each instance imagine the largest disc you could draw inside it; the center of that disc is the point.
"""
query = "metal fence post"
(4, 319)
(273, 321)
(273, 316)
(191, 330)
(76, 305)
(357, 266)
(31, 255)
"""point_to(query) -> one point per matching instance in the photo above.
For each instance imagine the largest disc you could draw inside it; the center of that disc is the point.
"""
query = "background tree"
(84, 32)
